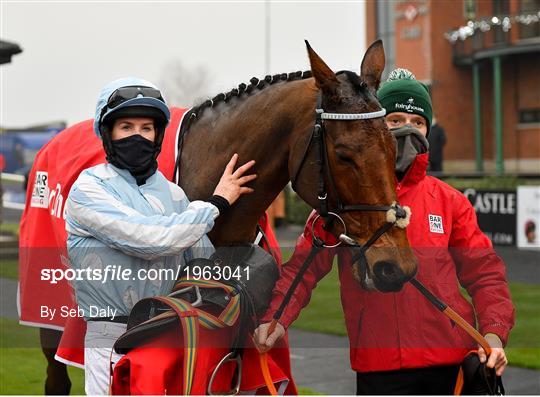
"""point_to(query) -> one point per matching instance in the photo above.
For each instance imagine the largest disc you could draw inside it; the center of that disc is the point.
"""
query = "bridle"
(396, 215)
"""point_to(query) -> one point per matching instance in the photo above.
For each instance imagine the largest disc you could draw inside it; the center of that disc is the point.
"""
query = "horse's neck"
(261, 127)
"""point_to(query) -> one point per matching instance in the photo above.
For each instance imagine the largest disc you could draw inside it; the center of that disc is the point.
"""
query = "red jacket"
(390, 331)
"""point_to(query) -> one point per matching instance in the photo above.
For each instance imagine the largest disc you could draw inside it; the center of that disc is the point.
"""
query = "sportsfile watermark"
(123, 273)
(54, 289)
(109, 273)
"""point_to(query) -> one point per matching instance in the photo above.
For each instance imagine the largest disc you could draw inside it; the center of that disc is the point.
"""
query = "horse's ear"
(373, 65)
(324, 76)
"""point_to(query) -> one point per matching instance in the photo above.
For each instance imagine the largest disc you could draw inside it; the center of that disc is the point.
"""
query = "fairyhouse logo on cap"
(409, 107)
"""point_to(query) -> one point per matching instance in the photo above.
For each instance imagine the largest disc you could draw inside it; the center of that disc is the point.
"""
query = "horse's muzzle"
(388, 276)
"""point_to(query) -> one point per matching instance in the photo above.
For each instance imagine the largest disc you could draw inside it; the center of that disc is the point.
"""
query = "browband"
(351, 116)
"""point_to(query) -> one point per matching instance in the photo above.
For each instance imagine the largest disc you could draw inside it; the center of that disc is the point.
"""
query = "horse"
(280, 122)
(280, 116)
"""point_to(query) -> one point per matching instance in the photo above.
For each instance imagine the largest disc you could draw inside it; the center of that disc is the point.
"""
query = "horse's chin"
(384, 287)
(363, 277)
(370, 283)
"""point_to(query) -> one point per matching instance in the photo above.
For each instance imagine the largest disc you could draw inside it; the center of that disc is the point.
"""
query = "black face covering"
(410, 142)
(135, 154)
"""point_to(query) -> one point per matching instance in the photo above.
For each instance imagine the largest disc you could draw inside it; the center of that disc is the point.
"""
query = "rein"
(318, 245)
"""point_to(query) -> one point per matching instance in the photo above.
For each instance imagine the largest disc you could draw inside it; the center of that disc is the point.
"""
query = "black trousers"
(419, 381)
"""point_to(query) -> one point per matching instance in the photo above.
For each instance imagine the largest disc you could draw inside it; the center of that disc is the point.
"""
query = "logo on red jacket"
(435, 224)
(40, 193)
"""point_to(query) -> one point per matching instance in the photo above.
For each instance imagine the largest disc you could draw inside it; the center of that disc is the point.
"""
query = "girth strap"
(191, 318)
(188, 317)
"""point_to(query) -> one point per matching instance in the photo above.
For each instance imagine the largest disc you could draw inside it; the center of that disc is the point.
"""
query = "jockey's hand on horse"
(497, 359)
(265, 342)
(230, 186)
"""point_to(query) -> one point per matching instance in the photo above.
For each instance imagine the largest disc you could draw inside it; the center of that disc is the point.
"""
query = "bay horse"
(272, 121)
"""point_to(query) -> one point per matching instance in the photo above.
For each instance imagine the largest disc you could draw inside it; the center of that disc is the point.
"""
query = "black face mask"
(135, 154)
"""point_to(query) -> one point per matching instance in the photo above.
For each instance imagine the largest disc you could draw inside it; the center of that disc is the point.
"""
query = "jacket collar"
(125, 174)
(417, 170)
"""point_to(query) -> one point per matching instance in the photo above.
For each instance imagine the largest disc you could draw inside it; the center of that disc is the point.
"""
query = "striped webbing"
(228, 316)
(191, 318)
(188, 317)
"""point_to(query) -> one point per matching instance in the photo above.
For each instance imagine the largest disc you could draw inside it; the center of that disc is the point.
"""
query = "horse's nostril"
(388, 271)
(388, 276)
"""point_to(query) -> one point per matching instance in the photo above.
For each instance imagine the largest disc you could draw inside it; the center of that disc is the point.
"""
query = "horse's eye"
(344, 157)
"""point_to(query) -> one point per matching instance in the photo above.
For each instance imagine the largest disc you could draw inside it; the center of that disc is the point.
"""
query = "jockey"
(127, 223)
(400, 343)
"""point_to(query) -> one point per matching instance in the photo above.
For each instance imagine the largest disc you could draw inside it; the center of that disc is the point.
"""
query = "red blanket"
(42, 243)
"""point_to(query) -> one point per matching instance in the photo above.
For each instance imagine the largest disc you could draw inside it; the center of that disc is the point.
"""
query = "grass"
(524, 345)
(304, 391)
(23, 368)
(325, 299)
(29, 362)
(11, 228)
(523, 348)
(9, 269)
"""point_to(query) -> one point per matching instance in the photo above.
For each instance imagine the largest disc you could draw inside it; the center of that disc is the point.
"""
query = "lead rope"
(461, 322)
(318, 244)
(263, 357)
(452, 315)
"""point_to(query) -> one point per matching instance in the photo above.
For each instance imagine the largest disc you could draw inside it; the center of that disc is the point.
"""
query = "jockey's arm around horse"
(93, 211)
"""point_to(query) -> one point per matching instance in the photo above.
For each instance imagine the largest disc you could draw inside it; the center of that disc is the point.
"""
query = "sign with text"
(528, 217)
(496, 213)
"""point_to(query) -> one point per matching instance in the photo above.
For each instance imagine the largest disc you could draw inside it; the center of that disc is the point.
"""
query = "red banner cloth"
(42, 240)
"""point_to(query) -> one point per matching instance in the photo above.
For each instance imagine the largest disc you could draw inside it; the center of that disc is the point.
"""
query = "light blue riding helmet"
(129, 92)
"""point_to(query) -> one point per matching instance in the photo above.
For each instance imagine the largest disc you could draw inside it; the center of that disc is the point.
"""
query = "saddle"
(237, 297)
(258, 272)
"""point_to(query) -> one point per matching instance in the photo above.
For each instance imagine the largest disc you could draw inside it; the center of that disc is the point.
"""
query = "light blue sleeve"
(92, 211)
(203, 248)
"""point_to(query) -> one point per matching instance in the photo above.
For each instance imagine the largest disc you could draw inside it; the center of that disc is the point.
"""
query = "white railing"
(11, 179)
